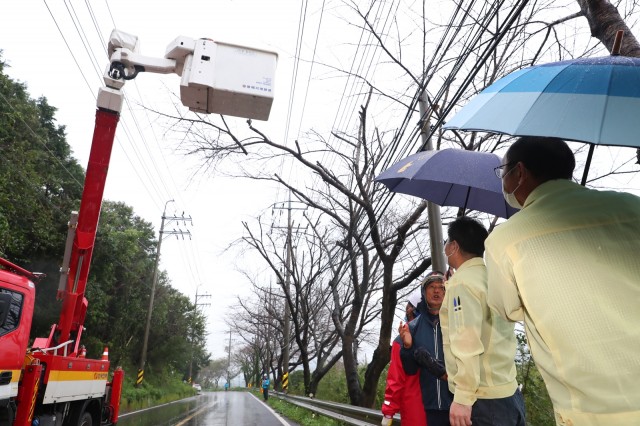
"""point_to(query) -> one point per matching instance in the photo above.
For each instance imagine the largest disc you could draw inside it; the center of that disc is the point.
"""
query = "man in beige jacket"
(479, 345)
(568, 266)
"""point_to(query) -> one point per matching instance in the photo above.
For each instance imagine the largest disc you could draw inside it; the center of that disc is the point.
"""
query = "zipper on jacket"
(435, 341)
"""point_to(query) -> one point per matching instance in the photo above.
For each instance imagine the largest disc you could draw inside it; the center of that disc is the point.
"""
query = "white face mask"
(447, 256)
(510, 197)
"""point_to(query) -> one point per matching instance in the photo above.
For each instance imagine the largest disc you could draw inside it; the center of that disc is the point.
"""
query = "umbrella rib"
(448, 192)
(539, 95)
(604, 109)
(466, 200)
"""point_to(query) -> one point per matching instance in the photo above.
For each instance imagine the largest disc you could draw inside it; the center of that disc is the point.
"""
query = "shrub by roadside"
(158, 391)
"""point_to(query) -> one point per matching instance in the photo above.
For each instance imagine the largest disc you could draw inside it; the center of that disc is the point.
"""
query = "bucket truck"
(51, 382)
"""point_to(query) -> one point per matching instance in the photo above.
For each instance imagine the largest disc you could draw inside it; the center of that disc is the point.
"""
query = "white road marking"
(150, 408)
(270, 409)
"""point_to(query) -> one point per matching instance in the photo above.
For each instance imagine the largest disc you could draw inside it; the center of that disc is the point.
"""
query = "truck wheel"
(6, 415)
(85, 419)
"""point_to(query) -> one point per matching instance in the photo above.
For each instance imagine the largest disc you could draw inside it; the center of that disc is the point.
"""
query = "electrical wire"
(69, 49)
(296, 65)
(470, 48)
(83, 36)
(313, 61)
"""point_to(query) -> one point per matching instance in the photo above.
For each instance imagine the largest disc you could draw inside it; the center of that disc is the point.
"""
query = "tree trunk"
(382, 353)
(305, 369)
(312, 389)
(319, 373)
(604, 21)
(351, 371)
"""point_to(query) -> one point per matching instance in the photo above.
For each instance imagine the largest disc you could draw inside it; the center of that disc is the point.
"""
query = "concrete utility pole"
(262, 334)
(438, 262)
(287, 311)
(229, 361)
(196, 304)
(287, 286)
(154, 280)
(266, 365)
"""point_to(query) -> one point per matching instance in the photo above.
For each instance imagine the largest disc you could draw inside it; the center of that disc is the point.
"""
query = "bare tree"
(373, 245)
(211, 374)
(307, 299)
(258, 324)
(247, 361)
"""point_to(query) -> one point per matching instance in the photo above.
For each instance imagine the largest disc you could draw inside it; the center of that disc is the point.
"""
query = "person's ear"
(521, 171)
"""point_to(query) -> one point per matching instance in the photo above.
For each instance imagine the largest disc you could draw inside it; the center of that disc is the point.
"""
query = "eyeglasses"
(498, 170)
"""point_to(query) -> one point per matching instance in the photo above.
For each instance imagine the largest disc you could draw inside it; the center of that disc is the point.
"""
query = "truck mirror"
(5, 305)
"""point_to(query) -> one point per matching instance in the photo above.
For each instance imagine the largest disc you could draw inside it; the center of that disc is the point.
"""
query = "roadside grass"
(300, 415)
(155, 390)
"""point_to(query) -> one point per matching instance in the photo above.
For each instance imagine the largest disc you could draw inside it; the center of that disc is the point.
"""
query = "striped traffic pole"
(140, 378)
(285, 381)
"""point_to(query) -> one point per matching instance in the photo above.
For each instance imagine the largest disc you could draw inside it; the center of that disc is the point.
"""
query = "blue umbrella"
(450, 177)
(593, 100)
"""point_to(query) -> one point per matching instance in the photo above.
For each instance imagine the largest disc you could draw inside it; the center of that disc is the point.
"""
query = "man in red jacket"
(403, 393)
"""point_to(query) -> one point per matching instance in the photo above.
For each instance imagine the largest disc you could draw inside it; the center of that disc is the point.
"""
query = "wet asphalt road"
(208, 409)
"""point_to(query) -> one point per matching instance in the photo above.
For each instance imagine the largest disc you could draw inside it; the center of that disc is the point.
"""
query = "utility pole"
(195, 313)
(269, 355)
(433, 210)
(154, 280)
(287, 286)
(287, 311)
(262, 334)
(229, 361)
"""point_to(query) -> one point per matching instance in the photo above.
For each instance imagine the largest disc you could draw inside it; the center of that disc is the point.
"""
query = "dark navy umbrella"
(450, 177)
(593, 100)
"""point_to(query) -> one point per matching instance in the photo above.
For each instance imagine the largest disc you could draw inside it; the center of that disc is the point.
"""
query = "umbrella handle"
(587, 165)
(617, 43)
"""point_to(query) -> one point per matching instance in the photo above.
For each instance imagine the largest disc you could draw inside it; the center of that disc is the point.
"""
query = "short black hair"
(469, 234)
(546, 158)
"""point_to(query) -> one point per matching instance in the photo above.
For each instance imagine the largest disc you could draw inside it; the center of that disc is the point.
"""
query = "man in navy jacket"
(423, 338)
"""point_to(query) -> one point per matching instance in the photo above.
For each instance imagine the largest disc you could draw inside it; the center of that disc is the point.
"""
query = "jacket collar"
(548, 188)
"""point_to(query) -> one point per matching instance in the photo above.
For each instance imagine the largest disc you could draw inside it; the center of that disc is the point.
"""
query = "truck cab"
(17, 298)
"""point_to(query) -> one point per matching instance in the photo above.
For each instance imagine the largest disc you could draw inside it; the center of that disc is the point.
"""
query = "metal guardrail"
(349, 414)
